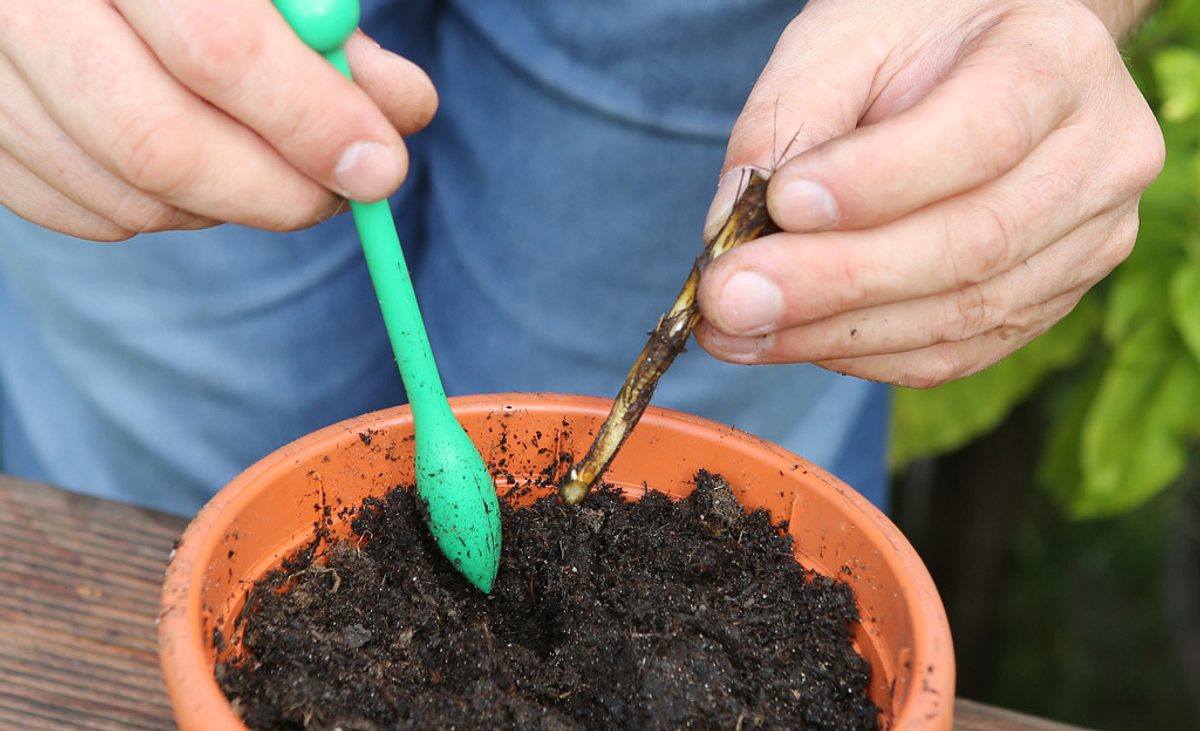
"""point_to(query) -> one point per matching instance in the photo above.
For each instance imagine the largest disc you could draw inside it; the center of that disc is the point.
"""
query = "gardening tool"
(463, 512)
(747, 221)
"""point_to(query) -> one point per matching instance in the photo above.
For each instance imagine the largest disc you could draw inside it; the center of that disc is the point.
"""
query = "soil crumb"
(617, 614)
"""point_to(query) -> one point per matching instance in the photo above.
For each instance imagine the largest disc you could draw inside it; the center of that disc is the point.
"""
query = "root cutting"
(747, 221)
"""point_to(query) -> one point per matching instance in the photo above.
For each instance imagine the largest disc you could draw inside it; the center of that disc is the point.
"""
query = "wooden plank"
(79, 591)
(79, 586)
(972, 716)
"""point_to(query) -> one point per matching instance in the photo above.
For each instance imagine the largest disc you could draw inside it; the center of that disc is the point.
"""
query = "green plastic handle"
(452, 479)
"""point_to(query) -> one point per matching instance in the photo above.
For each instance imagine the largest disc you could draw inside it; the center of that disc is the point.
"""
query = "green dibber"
(453, 481)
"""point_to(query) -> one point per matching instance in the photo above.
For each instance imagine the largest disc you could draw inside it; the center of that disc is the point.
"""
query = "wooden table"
(77, 633)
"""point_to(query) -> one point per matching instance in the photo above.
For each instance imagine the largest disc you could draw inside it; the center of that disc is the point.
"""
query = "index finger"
(785, 280)
(978, 123)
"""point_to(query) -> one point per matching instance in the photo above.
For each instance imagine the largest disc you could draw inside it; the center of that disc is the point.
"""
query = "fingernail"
(750, 304)
(804, 205)
(367, 171)
(723, 200)
(739, 347)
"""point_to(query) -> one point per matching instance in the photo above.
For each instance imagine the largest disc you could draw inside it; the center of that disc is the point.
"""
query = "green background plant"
(1125, 365)
(1079, 620)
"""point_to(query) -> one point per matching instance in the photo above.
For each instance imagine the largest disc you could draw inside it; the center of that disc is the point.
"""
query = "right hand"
(126, 116)
(964, 170)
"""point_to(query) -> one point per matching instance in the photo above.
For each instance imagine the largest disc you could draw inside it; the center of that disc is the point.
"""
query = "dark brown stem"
(747, 221)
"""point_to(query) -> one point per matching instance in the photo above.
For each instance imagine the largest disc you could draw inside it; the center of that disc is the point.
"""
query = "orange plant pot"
(273, 508)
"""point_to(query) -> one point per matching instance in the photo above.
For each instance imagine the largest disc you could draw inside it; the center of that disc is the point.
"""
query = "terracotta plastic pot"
(272, 509)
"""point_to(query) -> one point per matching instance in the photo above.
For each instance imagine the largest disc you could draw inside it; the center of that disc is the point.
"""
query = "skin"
(951, 175)
(961, 174)
(125, 116)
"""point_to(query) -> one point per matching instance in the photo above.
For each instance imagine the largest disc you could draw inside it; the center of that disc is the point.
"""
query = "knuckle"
(139, 213)
(302, 212)
(152, 155)
(948, 365)
(1091, 37)
(1149, 152)
(1025, 320)
(848, 284)
(309, 122)
(1136, 148)
(1120, 242)
(217, 49)
(1006, 130)
(1074, 44)
(985, 244)
(1076, 35)
(971, 314)
(937, 366)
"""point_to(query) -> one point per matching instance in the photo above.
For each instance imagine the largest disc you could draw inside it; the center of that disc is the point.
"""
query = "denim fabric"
(553, 210)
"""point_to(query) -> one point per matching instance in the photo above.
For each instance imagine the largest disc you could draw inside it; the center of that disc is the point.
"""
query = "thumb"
(815, 86)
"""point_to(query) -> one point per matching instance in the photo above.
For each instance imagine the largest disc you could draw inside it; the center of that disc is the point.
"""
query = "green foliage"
(1124, 405)
(1185, 306)
(1178, 71)
(940, 419)
(1134, 435)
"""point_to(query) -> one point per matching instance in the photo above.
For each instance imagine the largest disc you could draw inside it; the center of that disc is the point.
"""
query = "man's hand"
(957, 175)
(123, 116)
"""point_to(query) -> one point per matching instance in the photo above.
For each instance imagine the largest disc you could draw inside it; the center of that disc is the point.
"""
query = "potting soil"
(615, 614)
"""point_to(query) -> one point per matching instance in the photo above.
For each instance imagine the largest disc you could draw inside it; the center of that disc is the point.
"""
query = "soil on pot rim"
(640, 614)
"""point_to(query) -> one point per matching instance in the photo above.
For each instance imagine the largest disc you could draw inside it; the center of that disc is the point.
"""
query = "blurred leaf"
(1185, 306)
(1135, 435)
(1177, 71)
(1067, 401)
(940, 419)
(1136, 293)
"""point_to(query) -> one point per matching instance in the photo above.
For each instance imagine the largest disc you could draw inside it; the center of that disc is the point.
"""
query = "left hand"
(960, 174)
